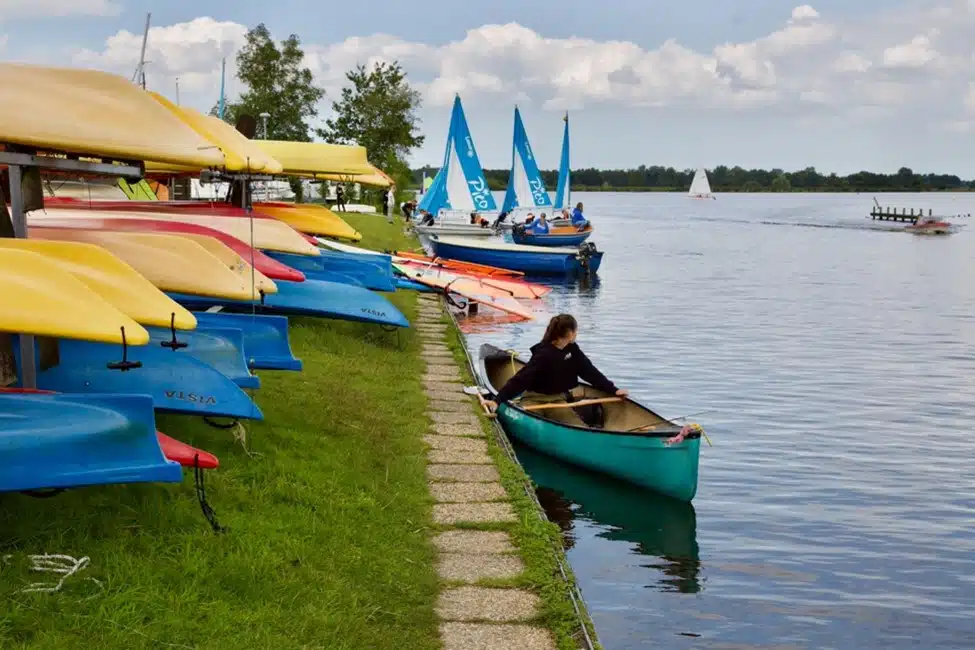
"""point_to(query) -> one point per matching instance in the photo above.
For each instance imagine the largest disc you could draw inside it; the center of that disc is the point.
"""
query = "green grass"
(538, 540)
(327, 508)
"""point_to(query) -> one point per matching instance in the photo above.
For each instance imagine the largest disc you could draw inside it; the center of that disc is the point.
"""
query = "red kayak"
(263, 263)
(207, 208)
(172, 449)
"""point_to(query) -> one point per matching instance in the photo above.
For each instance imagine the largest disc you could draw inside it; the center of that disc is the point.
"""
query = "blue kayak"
(176, 382)
(68, 441)
(266, 343)
(221, 348)
(373, 271)
(314, 298)
(531, 260)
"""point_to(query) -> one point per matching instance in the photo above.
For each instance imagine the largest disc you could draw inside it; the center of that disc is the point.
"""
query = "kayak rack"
(24, 167)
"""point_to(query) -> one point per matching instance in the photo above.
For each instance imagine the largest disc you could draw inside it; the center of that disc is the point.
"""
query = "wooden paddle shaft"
(487, 411)
(572, 405)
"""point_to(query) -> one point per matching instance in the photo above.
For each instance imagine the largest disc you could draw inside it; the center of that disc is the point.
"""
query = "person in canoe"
(553, 373)
(539, 226)
(578, 219)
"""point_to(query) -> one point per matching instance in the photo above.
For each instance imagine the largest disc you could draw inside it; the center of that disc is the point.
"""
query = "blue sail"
(460, 184)
(526, 189)
(563, 192)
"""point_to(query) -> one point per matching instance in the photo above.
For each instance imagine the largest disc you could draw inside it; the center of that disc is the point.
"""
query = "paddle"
(572, 405)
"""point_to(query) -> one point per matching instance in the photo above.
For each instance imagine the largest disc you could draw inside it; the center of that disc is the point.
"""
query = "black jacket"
(552, 371)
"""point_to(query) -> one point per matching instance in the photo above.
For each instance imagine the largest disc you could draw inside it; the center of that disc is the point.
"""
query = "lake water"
(836, 508)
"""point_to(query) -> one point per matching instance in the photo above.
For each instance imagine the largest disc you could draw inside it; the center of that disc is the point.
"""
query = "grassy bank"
(326, 503)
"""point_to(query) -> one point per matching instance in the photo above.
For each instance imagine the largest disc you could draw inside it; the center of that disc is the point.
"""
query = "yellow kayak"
(268, 234)
(41, 298)
(234, 262)
(115, 281)
(310, 218)
(171, 262)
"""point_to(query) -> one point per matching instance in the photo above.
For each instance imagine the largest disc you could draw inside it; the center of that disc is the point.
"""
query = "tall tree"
(378, 111)
(277, 83)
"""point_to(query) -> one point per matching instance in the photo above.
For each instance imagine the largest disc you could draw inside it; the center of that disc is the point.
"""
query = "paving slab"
(456, 443)
(467, 492)
(443, 369)
(457, 416)
(447, 457)
(451, 406)
(475, 513)
(443, 386)
(465, 430)
(463, 473)
(450, 396)
(493, 636)
(486, 604)
(474, 541)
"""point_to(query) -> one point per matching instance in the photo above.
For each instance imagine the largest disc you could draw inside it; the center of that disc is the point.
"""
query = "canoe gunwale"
(489, 353)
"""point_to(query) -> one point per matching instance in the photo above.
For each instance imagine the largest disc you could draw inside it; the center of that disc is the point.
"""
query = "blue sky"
(841, 86)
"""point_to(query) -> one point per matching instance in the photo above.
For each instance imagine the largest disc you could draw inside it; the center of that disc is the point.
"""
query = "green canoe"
(629, 445)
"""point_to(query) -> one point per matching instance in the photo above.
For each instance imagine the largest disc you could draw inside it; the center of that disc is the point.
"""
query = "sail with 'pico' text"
(526, 189)
(460, 184)
(700, 187)
(563, 191)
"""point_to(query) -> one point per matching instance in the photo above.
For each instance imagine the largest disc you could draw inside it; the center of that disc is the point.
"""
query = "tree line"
(656, 178)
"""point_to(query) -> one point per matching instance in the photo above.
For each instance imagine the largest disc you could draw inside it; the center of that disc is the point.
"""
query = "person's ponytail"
(559, 327)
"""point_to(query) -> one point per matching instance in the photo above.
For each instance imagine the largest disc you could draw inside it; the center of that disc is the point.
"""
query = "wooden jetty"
(905, 215)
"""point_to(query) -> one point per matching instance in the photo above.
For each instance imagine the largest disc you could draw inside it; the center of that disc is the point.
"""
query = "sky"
(840, 86)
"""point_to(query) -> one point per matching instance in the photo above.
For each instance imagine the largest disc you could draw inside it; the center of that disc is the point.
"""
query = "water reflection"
(660, 527)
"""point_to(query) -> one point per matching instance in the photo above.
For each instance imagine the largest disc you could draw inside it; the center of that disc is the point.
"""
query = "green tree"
(378, 111)
(276, 83)
(781, 183)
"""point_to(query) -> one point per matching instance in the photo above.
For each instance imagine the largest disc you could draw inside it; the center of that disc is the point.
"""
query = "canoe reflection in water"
(659, 526)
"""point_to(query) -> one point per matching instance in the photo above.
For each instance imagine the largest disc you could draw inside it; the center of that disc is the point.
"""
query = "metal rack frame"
(16, 162)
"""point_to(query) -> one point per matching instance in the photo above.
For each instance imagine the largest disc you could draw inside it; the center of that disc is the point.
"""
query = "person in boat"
(540, 225)
(497, 222)
(426, 219)
(529, 219)
(553, 372)
(578, 219)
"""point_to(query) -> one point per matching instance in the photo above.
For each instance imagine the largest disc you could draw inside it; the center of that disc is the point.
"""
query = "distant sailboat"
(526, 189)
(563, 191)
(700, 187)
(460, 187)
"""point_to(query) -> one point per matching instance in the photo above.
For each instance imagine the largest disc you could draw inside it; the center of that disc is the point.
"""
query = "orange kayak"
(456, 265)
(495, 286)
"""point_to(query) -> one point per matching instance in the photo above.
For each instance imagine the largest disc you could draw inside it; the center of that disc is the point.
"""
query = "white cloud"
(970, 96)
(188, 51)
(813, 62)
(915, 54)
(27, 9)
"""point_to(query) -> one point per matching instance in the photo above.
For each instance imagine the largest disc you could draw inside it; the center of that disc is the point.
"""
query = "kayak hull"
(266, 343)
(70, 441)
(221, 348)
(315, 298)
(177, 383)
(373, 272)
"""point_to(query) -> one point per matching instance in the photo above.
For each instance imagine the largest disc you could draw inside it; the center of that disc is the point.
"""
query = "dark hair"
(579, 205)
(559, 326)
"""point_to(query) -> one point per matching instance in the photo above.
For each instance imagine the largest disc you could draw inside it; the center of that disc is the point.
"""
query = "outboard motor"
(586, 251)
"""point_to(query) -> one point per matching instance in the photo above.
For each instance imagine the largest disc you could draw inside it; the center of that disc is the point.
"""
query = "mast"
(568, 172)
(140, 71)
(223, 75)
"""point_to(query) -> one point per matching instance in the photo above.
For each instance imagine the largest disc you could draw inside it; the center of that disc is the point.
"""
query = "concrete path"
(466, 487)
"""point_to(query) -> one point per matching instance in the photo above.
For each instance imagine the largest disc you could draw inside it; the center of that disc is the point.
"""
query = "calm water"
(837, 507)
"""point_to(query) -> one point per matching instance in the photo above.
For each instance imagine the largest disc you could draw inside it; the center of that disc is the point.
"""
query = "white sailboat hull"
(465, 230)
